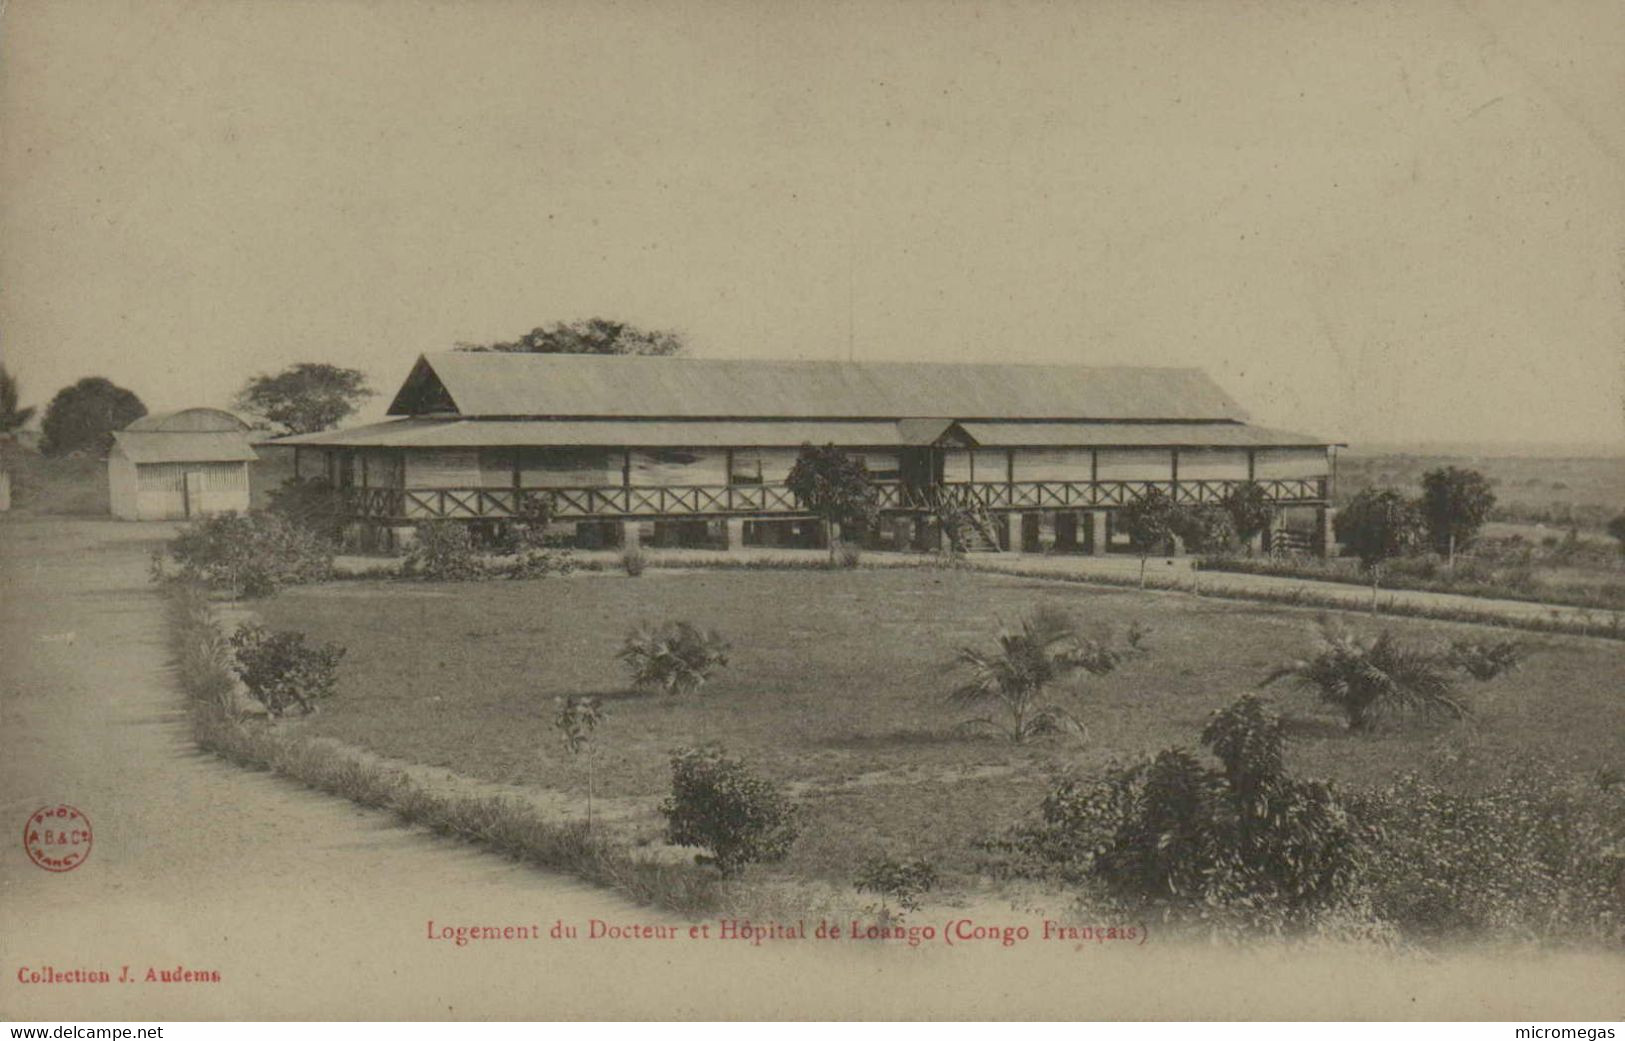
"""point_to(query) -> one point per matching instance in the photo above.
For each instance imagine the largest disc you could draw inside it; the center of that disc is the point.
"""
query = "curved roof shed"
(174, 465)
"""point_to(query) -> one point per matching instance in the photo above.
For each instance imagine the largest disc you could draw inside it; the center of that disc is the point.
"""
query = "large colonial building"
(633, 448)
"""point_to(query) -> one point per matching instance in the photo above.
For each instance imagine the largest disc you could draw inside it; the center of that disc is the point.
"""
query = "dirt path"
(305, 904)
(308, 907)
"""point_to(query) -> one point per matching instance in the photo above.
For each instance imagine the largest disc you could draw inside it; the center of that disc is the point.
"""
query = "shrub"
(1526, 856)
(539, 562)
(848, 555)
(720, 806)
(1206, 529)
(1045, 650)
(280, 671)
(444, 551)
(1484, 660)
(633, 562)
(1368, 678)
(312, 504)
(676, 658)
(895, 881)
(249, 554)
(1244, 843)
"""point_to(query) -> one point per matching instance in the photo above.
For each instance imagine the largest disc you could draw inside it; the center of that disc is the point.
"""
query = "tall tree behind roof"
(83, 417)
(12, 418)
(593, 336)
(306, 397)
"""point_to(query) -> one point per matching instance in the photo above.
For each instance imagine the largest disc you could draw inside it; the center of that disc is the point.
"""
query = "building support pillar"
(1099, 533)
(1255, 545)
(733, 534)
(631, 535)
(1014, 538)
(1325, 533)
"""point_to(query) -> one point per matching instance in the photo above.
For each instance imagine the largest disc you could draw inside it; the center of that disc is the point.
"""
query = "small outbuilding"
(175, 465)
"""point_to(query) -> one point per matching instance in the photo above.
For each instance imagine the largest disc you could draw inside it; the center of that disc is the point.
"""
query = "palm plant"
(1027, 661)
(676, 658)
(1366, 678)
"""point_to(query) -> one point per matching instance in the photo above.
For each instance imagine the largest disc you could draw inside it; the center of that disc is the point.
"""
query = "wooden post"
(733, 533)
(1015, 542)
(1099, 534)
(631, 535)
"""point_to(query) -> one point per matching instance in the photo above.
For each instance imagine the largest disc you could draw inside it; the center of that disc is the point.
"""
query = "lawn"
(837, 682)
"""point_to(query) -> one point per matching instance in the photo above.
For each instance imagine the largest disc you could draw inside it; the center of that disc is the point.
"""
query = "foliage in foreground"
(1176, 837)
(1369, 678)
(1528, 857)
(280, 670)
(674, 658)
(719, 805)
(444, 551)
(893, 881)
(1027, 661)
(248, 554)
(1247, 848)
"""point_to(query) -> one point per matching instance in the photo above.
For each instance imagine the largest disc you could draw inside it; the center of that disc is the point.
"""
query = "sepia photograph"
(736, 510)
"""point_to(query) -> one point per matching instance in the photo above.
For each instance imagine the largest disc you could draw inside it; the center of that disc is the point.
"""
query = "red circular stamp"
(57, 838)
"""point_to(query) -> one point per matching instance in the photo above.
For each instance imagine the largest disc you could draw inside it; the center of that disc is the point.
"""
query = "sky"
(1372, 221)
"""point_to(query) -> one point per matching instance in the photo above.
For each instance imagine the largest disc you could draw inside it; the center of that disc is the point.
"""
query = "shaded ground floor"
(1301, 528)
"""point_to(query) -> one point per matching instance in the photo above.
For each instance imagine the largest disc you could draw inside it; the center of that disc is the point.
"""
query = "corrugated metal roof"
(632, 433)
(175, 447)
(468, 433)
(500, 384)
(1131, 435)
(188, 420)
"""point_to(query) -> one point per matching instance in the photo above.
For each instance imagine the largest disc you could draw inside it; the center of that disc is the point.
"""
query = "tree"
(1377, 525)
(1150, 521)
(1616, 528)
(1045, 650)
(835, 486)
(84, 416)
(577, 717)
(1455, 504)
(12, 418)
(1250, 509)
(306, 397)
(593, 336)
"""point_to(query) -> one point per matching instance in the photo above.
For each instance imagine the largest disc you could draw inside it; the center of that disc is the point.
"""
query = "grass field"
(837, 683)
